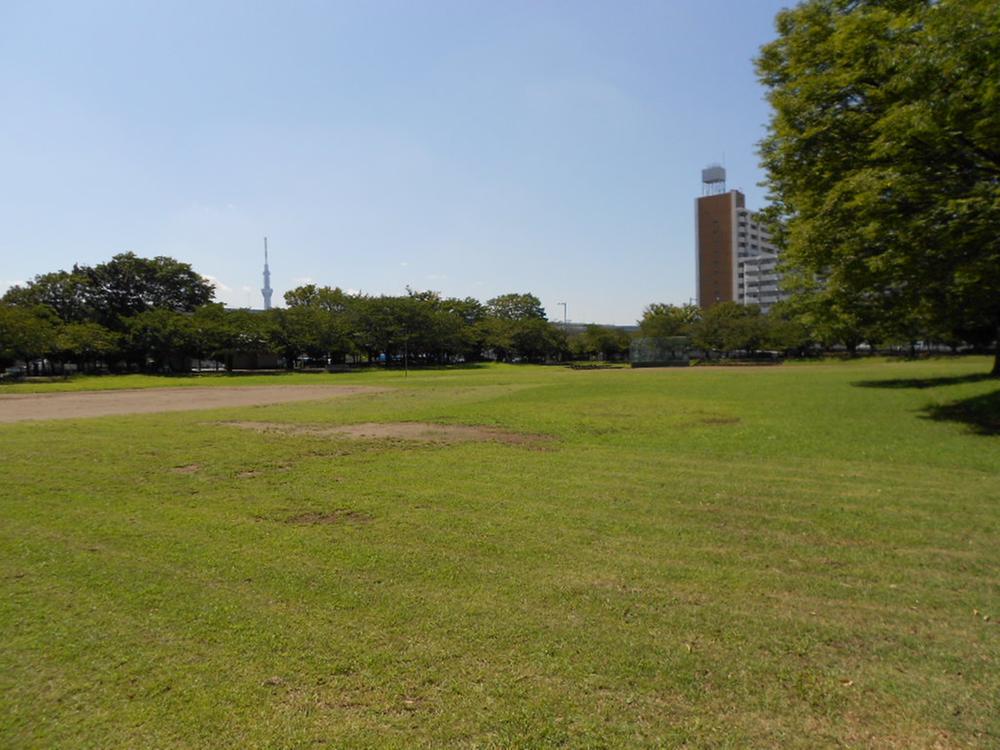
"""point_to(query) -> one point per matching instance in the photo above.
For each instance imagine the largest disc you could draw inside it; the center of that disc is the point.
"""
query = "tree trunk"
(995, 372)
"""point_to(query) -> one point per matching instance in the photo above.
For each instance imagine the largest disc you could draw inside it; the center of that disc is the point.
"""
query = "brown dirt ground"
(425, 432)
(75, 405)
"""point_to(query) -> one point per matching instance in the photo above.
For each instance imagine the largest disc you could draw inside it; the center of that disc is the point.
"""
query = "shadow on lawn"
(975, 377)
(981, 413)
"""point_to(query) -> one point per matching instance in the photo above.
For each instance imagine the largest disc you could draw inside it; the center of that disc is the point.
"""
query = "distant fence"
(671, 351)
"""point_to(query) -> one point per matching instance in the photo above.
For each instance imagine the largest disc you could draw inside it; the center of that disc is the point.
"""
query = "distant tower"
(266, 291)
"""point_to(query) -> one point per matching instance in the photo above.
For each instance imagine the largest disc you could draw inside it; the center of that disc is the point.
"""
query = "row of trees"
(99, 313)
(730, 327)
(802, 324)
(141, 313)
(157, 313)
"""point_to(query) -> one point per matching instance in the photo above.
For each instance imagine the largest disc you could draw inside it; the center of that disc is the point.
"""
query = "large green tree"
(65, 292)
(883, 157)
(26, 333)
(515, 327)
(660, 320)
(515, 307)
(110, 292)
(606, 342)
(86, 343)
(334, 319)
(159, 337)
(729, 327)
(127, 285)
(536, 340)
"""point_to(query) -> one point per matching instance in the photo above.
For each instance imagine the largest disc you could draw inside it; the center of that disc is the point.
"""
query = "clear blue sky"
(473, 148)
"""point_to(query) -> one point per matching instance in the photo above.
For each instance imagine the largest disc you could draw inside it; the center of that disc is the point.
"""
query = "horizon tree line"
(158, 314)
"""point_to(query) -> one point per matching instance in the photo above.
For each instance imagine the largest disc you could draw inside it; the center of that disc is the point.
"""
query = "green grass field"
(798, 556)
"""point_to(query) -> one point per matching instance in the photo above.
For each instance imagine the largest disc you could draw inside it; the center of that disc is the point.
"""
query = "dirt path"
(76, 405)
(421, 432)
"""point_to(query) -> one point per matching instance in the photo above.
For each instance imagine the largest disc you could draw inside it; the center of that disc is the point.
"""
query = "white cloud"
(404, 264)
(219, 286)
(303, 280)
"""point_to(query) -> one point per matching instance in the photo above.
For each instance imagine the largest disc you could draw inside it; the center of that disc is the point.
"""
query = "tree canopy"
(661, 320)
(883, 159)
(516, 307)
(109, 292)
(157, 313)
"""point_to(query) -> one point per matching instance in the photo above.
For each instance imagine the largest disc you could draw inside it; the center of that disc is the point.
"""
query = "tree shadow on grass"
(975, 377)
(980, 413)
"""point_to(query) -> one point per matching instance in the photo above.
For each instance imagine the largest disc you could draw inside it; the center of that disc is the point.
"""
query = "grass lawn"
(798, 556)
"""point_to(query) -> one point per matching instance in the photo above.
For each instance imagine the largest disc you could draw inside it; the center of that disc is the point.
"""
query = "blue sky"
(473, 148)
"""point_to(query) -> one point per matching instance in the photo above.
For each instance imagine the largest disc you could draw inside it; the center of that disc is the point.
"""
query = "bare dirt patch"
(720, 420)
(423, 432)
(18, 407)
(189, 469)
(314, 518)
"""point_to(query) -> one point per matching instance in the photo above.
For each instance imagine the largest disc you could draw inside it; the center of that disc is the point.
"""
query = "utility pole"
(565, 327)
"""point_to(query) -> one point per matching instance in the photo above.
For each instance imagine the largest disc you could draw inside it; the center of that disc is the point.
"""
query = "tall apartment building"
(737, 261)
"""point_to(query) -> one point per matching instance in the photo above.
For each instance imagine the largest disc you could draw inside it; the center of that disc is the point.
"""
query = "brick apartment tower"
(715, 228)
(737, 262)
